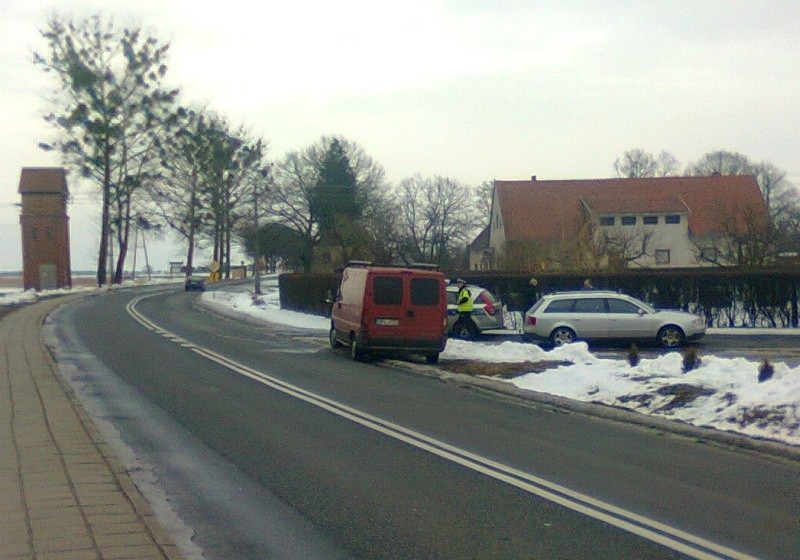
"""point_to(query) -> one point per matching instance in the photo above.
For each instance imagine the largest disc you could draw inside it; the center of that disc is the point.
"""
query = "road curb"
(767, 447)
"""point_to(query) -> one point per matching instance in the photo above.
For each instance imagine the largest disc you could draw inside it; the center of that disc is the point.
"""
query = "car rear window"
(388, 290)
(424, 291)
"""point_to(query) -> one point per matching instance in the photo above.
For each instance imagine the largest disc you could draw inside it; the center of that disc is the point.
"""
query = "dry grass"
(499, 370)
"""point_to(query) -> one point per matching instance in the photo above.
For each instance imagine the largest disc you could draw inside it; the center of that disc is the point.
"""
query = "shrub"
(633, 355)
(691, 359)
(765, 371)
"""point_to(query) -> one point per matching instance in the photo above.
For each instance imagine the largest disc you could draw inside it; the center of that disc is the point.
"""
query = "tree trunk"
(123, 236)
(104, 225)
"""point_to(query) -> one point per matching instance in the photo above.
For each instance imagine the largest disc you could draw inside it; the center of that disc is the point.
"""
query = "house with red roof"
(642, 222)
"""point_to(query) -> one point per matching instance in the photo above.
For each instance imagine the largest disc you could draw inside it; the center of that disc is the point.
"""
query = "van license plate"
(387, 322)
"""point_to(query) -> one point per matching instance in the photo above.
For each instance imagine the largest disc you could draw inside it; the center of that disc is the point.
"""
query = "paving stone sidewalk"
(63, 495)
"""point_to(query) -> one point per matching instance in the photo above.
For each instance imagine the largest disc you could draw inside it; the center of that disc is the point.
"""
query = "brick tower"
(45, 228)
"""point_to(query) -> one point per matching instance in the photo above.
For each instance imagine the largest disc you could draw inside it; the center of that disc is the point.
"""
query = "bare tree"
(638, 163)
(483, 202)
(721, 162)
(666, 165)
(438, 219)
(635, 163)
(295, 201)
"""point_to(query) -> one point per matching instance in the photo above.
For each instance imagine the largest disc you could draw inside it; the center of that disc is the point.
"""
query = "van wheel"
(332, 338)
(356, 353)
(432, 359)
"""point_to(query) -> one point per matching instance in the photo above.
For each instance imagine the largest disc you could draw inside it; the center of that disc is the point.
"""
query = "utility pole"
(256, 272)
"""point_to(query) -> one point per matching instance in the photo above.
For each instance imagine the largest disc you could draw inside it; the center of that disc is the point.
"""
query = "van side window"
(388, 290)
(424, 291)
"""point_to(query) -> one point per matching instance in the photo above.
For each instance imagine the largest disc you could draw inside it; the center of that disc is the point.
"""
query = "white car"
(564, 317)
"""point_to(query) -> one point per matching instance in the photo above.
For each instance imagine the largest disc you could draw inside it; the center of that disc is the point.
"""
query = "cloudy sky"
(472, 89)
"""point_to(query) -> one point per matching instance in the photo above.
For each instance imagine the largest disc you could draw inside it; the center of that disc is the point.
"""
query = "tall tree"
(721, 162)
(438, 219)
(235, 162)
(179, 198)
(640, 163)
(635, 163)
(335, 199)
(483, 201)
(111, 111)
(303, 201)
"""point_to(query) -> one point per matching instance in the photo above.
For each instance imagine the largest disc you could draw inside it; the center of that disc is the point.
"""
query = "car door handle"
(410, 313)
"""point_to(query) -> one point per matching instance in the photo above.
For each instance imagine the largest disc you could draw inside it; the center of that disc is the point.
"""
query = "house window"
(709, 254)
(628, 220)
(662, 256)
(672, 219)
(650, 220)
(606, 220)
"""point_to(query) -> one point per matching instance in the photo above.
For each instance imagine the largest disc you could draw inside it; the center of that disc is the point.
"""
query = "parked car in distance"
(487, 312)
(194, 283)
(564, 317)
(390, 309)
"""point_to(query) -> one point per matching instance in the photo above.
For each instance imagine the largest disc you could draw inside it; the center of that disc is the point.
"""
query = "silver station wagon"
(564, 317)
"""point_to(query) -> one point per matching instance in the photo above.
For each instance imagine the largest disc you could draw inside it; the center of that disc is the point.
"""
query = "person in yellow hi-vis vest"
(464, 326)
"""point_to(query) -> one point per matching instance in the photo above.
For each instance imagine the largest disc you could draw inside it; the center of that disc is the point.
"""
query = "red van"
(385, 309)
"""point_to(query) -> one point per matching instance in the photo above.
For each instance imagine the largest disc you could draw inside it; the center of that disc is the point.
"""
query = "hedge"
(726, 297)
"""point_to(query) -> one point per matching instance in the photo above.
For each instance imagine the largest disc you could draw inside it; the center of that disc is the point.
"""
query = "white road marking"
(660, 533)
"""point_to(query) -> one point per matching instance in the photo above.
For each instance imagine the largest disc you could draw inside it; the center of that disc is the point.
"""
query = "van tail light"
(531, 320)
(488, 305)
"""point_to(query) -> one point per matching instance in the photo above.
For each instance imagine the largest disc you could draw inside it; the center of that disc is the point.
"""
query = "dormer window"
(628, 220)
(672, 219)
(606, 220)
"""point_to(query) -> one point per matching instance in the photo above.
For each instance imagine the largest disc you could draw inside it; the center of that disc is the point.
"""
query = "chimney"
(533, 177)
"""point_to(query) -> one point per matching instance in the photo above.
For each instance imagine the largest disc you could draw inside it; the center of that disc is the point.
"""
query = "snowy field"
(721, 393)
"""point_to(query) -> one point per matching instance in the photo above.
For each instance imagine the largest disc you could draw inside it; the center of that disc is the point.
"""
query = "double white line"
(670, 537)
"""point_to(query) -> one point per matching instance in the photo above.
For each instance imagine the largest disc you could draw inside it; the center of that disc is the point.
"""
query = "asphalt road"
(372, 461)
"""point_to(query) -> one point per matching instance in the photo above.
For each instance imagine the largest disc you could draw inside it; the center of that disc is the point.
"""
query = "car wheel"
(432, 358)
(562, 336)
(332, 338)
(356, 353)
(671, 336)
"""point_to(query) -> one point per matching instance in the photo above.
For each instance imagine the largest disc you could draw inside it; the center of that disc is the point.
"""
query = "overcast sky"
(470, 89)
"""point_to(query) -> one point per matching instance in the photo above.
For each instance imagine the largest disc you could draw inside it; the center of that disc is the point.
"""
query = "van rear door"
(406, 309)
(427, 306)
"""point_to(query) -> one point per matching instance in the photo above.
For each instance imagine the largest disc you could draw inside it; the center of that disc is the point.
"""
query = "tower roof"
(43, 180)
